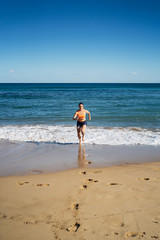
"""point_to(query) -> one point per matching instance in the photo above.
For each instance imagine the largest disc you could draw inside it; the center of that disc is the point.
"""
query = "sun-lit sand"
(118, 202)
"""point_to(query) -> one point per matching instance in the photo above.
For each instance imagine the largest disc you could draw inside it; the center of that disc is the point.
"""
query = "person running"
(80, 116)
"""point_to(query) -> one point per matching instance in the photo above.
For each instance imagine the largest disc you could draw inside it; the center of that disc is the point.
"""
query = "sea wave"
(67, 135)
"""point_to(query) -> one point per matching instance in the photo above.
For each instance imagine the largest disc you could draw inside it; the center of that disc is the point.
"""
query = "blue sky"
(80, 41)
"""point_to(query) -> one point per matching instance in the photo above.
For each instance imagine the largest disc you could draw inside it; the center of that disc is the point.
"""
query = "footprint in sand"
(88, 162)
(155, 237)
(91, 180)
(84, 186)
(7, 217)
(22, 183)
(144, 179)
(83, 172)
(75, 206)
(73, 228)
(42, 185)
(134, 234)
(3, 216)
(106, 235)
(113, 184)
(30, 222)
(156, 220)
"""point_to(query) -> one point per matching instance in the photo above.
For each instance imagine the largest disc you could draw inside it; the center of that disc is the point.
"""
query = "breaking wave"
(67, 135)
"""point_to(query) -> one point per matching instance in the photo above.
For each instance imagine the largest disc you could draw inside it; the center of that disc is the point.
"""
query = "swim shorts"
(80, 124)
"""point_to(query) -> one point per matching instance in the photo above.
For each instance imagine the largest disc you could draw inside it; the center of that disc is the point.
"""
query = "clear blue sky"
(80, 41)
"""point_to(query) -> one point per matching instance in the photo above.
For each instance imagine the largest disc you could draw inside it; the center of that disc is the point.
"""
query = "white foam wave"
(67, 134)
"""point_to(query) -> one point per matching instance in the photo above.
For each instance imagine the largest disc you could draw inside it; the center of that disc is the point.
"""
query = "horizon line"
(79, 83)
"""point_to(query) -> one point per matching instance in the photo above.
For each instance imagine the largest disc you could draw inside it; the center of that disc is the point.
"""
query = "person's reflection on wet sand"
(81, 156)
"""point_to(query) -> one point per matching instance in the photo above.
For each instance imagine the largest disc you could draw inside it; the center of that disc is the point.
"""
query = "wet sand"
(118, 202)
(31, 158)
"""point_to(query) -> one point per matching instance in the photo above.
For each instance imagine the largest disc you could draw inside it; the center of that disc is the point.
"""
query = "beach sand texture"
(120, 202)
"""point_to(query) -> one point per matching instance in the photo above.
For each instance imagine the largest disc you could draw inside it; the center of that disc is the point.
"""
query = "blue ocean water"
(111, 105)
(119, 105)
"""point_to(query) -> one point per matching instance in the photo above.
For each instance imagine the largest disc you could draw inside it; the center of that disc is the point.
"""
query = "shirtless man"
(80, 116)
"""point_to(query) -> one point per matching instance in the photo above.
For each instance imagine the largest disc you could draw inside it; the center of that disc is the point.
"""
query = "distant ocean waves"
(61, 134)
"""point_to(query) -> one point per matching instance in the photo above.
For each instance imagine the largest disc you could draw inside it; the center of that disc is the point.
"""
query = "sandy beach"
(118, 202)
(80, 120)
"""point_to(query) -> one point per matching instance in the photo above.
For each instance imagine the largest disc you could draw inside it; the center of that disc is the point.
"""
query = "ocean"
(122, 114)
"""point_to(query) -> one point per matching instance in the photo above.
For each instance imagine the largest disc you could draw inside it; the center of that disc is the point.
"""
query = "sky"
(80, 41)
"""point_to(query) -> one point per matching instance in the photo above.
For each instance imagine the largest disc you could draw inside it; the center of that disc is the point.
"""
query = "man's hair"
(80, 103)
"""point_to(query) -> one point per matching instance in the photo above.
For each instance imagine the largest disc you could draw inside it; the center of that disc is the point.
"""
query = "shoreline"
(31, 158)
(116, 202)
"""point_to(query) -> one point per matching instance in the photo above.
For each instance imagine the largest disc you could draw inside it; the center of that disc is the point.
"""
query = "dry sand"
(121, 202)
